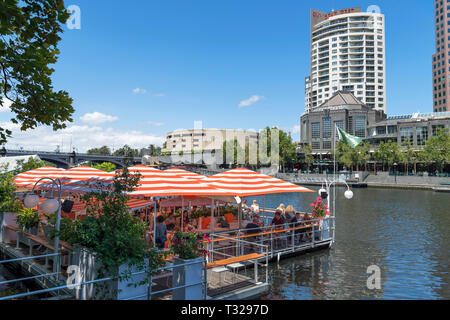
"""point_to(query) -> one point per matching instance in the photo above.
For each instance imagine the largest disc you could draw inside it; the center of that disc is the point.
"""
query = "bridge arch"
(60, 163)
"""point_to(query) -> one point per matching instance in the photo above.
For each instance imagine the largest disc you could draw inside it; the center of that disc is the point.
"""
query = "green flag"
(344, 137)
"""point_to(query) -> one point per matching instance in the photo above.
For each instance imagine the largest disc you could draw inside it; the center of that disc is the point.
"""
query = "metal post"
(205, 272)
(313, 234)
(154, 226)
(56, 262)
(256, 271)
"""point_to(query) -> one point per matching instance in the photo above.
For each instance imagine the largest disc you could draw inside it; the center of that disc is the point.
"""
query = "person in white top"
(255, 207)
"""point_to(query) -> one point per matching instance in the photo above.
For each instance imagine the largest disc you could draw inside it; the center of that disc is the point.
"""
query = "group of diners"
(285, 218)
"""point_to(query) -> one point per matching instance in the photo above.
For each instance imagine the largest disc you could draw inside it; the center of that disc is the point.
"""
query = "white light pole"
(49, 206)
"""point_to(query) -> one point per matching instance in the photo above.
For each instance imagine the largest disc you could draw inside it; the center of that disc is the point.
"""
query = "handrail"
(263, 233)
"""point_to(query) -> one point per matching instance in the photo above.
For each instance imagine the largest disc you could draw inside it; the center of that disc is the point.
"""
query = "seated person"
(278, 220)
(290, 212)
(171, 221)
(255, 207)
(253, 226)
(296, 222)
(306, 221)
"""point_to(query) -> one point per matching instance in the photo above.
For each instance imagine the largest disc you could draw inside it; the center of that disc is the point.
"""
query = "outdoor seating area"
(167, 202)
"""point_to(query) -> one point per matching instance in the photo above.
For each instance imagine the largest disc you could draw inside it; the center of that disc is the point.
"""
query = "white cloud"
(139, 91)
(6, 104)
(156, 124)
(250, 101)
(83, 137)
(97, 118)
(295, 129)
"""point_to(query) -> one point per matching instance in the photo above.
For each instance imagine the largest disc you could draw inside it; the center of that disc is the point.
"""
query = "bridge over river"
(68, 160)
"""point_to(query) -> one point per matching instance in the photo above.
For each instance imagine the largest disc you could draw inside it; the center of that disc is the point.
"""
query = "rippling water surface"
(404, 232)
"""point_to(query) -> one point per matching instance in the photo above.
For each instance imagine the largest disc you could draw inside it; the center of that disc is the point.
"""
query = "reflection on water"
(404, 232)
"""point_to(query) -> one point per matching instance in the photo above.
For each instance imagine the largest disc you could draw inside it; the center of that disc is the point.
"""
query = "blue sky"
(139, 69)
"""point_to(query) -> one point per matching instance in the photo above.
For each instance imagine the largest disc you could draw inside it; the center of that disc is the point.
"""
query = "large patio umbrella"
(184, 173)
(245, 183)
(29, 178)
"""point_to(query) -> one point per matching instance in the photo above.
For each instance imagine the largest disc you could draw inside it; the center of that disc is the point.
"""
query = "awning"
(245, 183)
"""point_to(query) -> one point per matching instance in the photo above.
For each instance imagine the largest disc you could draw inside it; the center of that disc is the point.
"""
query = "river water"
(403, 232)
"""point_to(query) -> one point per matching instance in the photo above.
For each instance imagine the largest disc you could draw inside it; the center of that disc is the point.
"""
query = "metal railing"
(282, 239)
(224, 247)
(163, 271)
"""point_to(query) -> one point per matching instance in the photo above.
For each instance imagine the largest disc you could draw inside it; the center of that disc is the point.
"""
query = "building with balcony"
(347, 54)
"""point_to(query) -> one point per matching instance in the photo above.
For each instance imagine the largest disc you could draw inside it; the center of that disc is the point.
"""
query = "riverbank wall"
(379, 180)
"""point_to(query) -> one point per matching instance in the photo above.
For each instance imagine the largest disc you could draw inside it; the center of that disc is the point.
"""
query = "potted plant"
(189, 249)
(322, 212)
(110, 242)
(9, 206)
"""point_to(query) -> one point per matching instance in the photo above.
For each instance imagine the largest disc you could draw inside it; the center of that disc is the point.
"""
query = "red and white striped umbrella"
(158, 183)
(84, 173)
(184, 173)
(29, 178)
(245, 183)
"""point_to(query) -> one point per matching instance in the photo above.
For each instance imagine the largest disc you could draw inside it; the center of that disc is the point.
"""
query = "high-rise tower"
(441, 59)
(347, 54)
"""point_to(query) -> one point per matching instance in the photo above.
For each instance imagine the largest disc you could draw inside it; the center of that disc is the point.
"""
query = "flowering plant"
(188, 245)
(320, 210)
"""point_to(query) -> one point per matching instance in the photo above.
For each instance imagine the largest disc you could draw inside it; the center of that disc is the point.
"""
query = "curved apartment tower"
(347, 54)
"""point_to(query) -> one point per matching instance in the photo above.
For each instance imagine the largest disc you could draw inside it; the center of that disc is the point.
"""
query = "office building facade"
(441, 59)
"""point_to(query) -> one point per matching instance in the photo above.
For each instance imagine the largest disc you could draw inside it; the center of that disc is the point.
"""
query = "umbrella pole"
(154, 227)
(239, 216)
(211, 224)
(182, 213)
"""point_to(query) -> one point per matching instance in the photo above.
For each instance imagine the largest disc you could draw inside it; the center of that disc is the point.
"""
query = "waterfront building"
(441, 59)
(206, 140)
(347, 54)
(417, 127)
(345, 111)
(342, 110)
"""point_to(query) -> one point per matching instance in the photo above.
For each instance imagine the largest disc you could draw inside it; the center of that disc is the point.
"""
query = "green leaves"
(109, 230)
(7, 188)
(27, 218)
(105, 166)
(30, 35)
(437, 149)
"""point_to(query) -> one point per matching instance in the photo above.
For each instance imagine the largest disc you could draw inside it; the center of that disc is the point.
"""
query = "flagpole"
(334, 190)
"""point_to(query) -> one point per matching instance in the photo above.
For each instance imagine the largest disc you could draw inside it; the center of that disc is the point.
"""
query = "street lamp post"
(49, 206)
(395, 172)
(326, 194)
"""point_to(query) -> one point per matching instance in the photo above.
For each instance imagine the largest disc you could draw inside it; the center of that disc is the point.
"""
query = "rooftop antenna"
(332, 6)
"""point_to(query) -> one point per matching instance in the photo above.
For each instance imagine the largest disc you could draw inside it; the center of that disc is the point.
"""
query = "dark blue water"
(403, 232)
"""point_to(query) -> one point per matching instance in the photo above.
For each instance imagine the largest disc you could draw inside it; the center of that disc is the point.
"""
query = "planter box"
(27, 241)
(89, 267)
(187, 275)
(325, 226)
(8, 218)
